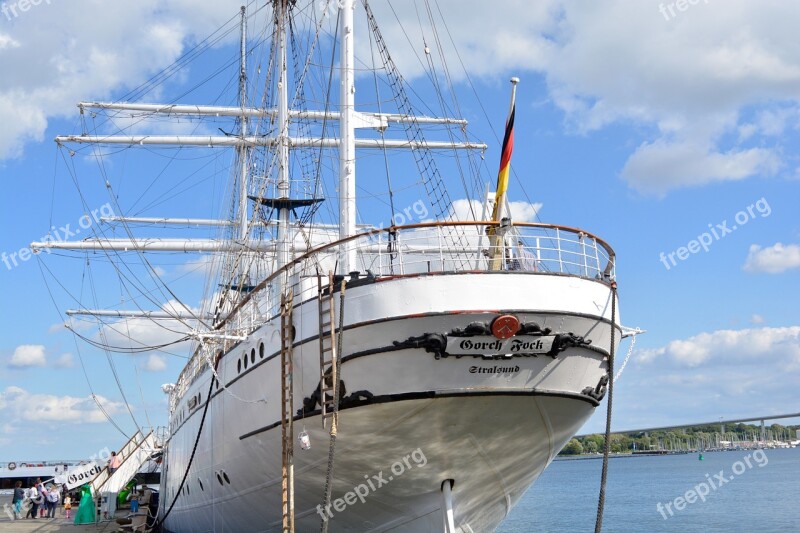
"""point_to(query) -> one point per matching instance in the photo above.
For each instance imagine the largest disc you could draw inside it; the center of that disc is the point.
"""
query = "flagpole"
(496, 239)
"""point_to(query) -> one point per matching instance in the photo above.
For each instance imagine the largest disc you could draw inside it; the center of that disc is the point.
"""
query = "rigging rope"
(42, 266)
(601, 500)
(435, 187)
(480, 104)
(191, 457)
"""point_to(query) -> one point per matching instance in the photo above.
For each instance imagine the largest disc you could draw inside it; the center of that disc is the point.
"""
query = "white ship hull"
(491, 426)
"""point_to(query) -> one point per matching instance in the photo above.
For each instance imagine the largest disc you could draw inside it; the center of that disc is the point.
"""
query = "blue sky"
(647, 127)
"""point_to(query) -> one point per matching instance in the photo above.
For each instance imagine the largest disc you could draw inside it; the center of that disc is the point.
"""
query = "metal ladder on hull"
(287, 403)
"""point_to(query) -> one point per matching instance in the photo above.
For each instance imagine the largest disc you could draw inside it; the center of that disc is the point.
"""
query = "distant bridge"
(712, 423)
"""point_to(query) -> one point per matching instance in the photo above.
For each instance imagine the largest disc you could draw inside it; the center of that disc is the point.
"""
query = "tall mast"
(242, 149)
(347, 147)
(283, 135)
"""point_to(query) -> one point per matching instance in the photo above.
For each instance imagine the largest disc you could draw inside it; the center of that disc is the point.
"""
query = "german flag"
(505, 165)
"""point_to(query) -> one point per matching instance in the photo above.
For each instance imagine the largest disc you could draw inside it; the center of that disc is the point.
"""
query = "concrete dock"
(51, 525)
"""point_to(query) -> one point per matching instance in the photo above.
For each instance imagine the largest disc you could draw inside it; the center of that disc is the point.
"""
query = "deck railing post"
(582, 241)
(597, 256)
(441, 251)
(400, 253)
(558, 246)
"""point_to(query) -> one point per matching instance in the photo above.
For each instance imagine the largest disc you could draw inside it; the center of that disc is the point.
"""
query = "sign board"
(487, 345)
(82, 474)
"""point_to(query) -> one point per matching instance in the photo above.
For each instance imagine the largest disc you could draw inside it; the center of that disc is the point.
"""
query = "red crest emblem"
(505, 326)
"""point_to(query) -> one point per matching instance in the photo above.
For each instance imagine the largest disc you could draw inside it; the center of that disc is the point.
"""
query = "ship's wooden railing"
(444, 246)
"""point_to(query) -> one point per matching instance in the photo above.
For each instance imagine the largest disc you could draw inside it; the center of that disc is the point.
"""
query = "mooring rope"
(335, 417)
(601, 500)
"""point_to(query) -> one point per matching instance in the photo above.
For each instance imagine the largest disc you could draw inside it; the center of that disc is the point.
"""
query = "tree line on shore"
(690, 438)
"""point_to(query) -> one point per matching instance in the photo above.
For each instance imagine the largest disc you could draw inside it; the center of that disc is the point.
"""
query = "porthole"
(245, 360)
(253, 355)
(239, 366)
(200, 482)
(199, 398)
(187, 490)
(226, 477)
(219, 478)
(261, 350)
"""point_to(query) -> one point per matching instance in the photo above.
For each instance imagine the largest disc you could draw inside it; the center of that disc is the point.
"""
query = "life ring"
(12, 466)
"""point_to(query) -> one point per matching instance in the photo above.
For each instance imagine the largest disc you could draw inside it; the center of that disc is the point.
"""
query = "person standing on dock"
(52, 497)
(134, 498)
(43, 494)
(33, 496)
(67, 505)
(17, 499)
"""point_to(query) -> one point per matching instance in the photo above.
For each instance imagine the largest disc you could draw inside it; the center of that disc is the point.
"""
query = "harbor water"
(761, 496)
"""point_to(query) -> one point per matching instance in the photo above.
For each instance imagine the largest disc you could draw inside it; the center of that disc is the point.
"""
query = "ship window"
(261, 350)
(253, 355)
(245, 360)
(219, 478)
(239, 365)
(187, 490)
(200, 482)
(226, 477)
(199, 398)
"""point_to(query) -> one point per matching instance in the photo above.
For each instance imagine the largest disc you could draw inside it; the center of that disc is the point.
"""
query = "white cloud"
(773, 259)
(756, 319)
(155, 363)
(711, 89)
(689, 81)
(725, 373)
(524, 211)
(138, 333)
(202, 266)
(56, 328)
(17, 404)
(464, 209)
(65, 361)
(60, 56)
(777, 348)
(661, 166)
(27, 355)
(7, 41)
